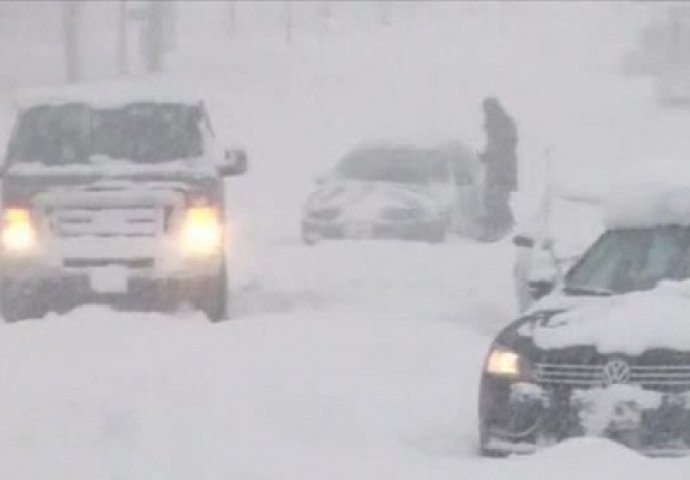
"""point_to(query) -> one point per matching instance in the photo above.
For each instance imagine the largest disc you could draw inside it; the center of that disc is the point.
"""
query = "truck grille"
(656, 376)
(103, 262)
(108, 222)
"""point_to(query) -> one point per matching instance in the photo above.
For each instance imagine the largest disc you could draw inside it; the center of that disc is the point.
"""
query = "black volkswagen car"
(605, 354)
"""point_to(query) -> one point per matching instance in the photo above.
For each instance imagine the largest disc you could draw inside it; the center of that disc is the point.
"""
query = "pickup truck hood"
(25, 183)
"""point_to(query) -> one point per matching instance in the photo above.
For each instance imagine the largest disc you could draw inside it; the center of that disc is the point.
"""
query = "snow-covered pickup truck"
(608, 352)
(118, 200)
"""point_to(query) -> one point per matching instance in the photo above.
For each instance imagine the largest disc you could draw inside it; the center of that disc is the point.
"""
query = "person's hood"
(628, 324)
(372, 196)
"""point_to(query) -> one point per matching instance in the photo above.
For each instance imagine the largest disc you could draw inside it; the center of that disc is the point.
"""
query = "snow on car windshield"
(394, 165)
(73, 133)
(631, 260)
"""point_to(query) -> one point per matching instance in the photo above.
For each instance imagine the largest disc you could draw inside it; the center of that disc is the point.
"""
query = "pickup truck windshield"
(409, 166)
(74, 133)
(622, 261)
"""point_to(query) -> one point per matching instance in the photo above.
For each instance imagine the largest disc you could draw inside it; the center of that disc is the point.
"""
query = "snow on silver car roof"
(108, 94)
(422, 142)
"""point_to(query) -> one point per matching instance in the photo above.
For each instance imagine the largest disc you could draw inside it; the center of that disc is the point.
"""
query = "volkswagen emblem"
(616, 371)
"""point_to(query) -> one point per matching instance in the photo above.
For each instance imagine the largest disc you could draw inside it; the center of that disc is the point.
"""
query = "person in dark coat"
(500, 161)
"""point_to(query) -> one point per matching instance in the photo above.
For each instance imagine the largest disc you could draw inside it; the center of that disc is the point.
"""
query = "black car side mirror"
(234, 162)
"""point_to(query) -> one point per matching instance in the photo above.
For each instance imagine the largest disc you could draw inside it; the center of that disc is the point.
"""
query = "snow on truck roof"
(107, 94)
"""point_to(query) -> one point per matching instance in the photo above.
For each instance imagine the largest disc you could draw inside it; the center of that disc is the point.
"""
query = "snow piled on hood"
(365, 200)
(626, 324)
(103, 165)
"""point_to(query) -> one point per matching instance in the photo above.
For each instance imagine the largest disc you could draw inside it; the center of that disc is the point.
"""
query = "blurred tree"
(232, 17)
(384, 12)
(122, 40)
(663, 52)
(159, 34)
(71, 10)
(288, 21)
(325, 15)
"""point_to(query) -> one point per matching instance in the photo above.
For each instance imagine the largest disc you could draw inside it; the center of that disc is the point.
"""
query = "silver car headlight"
(401, 214)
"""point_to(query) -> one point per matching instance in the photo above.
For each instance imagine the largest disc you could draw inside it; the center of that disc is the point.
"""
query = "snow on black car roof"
(654, 194)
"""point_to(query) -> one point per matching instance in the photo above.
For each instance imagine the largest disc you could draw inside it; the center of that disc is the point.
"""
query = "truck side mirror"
(234, 162)
(523, 241)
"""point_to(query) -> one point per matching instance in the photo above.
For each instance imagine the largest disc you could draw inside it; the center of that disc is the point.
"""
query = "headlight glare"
(503, 362)
(18, 232)
(201, 232)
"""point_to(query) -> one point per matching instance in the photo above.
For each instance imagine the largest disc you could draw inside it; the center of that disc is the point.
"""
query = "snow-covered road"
(331, 368)
(348, 360)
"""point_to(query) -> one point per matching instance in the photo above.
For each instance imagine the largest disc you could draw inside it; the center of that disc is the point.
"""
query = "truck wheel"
(309, 236)
(484, 449)
(437, 232)
(213, 297)
(18, 304)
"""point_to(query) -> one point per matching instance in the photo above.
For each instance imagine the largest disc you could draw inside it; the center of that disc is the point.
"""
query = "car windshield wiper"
(593, 291)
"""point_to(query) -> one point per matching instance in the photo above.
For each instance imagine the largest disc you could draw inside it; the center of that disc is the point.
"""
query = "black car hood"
(632, 325)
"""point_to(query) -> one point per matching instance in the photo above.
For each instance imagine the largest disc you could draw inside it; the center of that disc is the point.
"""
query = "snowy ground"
(336, 381)
(343, 361)
(347, 360)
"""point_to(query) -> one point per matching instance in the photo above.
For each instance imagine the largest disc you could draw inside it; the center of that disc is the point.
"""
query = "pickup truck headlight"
(503, 362)
(18, 231)
(201, 232)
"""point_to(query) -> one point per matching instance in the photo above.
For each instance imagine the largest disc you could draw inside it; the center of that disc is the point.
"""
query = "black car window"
(633, 259)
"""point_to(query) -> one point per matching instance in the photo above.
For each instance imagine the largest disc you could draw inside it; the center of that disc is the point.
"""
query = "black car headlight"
(504, 362)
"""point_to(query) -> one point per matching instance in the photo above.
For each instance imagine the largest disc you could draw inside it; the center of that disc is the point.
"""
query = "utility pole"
(71, 33)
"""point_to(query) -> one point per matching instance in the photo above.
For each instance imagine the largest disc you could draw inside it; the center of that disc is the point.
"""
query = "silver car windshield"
(409, 166)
